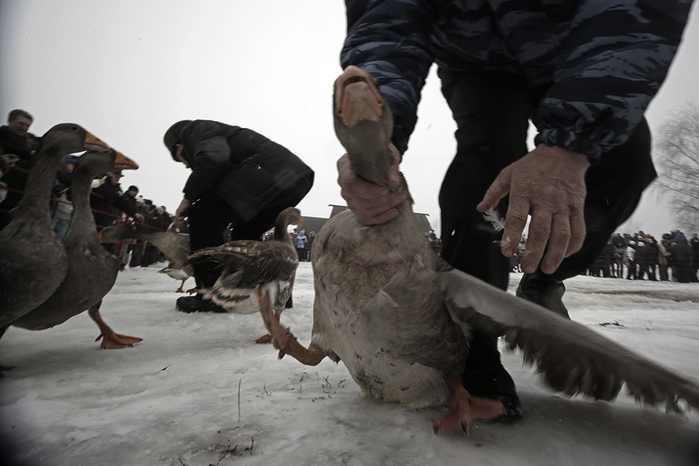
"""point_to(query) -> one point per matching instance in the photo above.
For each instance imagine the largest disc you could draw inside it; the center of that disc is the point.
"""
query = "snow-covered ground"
(198, 391)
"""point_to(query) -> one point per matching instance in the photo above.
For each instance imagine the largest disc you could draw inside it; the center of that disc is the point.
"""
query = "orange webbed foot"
(116, 341)
(467, 408)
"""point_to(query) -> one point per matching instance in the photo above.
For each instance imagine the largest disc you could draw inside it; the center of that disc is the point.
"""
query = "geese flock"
(392, 311)
(44, 282)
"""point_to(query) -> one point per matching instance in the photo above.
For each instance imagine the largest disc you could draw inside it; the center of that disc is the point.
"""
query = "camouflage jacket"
(598, 63)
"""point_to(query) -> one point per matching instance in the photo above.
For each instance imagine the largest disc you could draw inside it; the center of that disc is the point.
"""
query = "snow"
(198, 391)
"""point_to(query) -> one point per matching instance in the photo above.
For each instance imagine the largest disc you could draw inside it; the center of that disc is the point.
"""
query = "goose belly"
(383, 315)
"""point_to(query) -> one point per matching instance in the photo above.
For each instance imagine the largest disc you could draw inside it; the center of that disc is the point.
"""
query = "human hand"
(371, 203)
(548, 184)
(180, 220)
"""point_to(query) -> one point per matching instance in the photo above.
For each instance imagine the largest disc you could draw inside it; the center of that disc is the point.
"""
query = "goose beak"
(92, 142)
(122, 162)
(356, 97)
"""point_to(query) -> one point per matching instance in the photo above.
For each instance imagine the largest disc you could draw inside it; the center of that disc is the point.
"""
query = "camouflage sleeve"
(391, 40)
(613, 63)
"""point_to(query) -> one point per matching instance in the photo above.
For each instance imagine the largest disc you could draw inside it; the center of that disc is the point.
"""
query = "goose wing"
(572, 358)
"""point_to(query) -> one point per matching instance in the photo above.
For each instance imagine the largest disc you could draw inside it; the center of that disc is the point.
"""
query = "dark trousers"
(211, 216)
(492, 112)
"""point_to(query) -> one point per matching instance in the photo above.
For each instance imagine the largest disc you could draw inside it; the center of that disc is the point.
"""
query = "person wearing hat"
(107, 201)
(239, 177)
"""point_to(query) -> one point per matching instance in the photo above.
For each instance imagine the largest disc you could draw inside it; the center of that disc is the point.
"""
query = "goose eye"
(74, 128)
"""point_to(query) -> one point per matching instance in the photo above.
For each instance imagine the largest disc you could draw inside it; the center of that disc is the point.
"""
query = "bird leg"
(110, 339)
(466, 408)
(181, 288)
(282, 338)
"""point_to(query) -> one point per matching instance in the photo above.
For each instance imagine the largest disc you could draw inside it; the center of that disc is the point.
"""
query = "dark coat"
(244, 168)
(596, 64)
(108, 201)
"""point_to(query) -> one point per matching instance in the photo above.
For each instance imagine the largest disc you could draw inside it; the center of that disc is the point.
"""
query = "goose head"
(288, 216)
(363, 124)
(72, 138)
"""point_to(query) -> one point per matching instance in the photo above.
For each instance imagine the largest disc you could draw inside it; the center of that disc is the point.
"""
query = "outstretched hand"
(371, 203)
(180, 220)
(548, 184)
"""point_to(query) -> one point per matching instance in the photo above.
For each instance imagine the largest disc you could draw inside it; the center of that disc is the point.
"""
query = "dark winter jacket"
(597, 64)
(243, 167)
(107, 201)
(10, 143)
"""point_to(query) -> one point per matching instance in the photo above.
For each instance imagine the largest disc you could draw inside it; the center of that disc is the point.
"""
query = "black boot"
(485, 377)
(196, 303)
(544, 290)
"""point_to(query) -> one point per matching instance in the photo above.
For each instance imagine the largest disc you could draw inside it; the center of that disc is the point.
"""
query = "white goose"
(400, 318)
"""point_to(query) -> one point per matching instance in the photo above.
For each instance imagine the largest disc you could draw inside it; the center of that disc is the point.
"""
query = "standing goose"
(32, 260)
(400, 318)
(248, 264)
(175, 246)
(92, 270)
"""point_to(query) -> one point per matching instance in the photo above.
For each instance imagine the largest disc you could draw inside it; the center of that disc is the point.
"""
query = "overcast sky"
(127, 69)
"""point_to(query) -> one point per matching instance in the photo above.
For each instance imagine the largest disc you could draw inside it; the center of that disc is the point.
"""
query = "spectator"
(62, 208)
(108, 201)
(694, 243)
(16, 139)
(301, 243)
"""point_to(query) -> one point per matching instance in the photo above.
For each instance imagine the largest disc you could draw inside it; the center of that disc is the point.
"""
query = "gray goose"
(400, 318)
(174, 245)
(248, 265)
(32, 260)
(91, 270)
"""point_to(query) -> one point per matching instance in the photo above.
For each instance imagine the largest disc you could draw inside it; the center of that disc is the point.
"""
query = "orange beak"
(122, 162)
(92, 142)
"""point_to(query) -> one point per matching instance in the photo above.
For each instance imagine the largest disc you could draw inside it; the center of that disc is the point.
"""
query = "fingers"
(547, 185)
(371, 203)
(497, 190)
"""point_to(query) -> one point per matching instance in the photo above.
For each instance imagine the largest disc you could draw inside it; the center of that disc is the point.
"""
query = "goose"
(32, 260)
(174, 245)
(400, 318)
(249, 264)
(91, 270)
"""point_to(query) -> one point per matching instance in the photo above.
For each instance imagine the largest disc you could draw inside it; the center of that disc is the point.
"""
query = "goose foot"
(282, 338)
(264, 339)
(116, 341)
(466, 408)
(110, 339)
(278, 335)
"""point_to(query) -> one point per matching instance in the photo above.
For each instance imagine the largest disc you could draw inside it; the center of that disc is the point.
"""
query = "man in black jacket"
(239, 178)
(16, 139)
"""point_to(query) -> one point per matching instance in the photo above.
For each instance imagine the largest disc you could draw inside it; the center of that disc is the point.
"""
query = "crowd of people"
(111, 204)
(642, 257)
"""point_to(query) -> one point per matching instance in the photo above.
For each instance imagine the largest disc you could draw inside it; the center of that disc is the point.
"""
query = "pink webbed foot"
(279, 336)
(467, 408)
(116, 341)
(264, 339)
